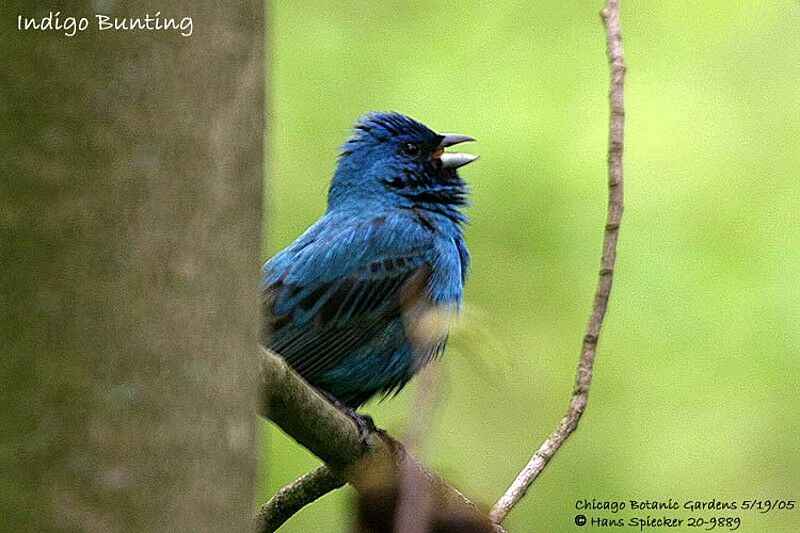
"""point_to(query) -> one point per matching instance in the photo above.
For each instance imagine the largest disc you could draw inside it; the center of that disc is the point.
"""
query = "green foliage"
(696, 385)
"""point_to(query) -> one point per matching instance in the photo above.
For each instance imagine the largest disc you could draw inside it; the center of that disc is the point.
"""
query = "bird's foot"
(364, 423)
(366, 427)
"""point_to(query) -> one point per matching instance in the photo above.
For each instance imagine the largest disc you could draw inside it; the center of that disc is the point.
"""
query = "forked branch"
(330, 434)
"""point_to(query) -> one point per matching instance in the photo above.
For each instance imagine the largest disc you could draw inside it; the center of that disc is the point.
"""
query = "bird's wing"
(332, 293)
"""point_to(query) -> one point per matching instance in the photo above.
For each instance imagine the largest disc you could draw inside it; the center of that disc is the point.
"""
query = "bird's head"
(395, 160)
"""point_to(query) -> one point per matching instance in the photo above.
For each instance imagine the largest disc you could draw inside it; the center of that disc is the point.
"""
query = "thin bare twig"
(583, 379)
(293, 497)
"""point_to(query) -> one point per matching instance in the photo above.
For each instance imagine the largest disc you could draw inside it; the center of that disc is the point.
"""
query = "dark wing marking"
(347, 312)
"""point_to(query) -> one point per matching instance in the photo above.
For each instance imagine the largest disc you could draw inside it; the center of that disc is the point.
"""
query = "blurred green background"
(697, 377)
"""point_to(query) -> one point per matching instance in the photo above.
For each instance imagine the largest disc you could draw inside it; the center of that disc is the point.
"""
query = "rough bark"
(130, 211)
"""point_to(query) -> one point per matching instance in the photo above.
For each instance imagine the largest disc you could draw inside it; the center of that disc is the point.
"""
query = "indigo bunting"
(362, 300)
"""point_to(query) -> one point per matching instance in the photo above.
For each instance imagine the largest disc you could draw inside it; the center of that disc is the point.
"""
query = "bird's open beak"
(454, 159)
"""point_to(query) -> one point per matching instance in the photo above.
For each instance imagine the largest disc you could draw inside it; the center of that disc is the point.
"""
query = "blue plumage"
(359, 302)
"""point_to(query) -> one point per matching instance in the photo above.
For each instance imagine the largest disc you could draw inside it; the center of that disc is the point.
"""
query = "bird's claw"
(364, 423)
(366, 427)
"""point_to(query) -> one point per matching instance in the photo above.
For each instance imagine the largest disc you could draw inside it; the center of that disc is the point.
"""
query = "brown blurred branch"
(331, 435)
(583, 379)
(414, 504)
(420, 421)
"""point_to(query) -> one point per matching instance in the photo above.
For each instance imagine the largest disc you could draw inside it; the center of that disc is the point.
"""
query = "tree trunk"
(130, 216)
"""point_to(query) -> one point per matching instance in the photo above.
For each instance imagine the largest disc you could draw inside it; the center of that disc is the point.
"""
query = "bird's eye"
(410, 149)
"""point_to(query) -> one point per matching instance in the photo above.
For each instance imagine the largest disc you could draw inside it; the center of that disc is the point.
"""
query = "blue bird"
(361, 301)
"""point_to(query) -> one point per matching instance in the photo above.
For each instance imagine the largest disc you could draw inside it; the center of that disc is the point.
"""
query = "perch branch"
(583, 379)
(331, 435)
